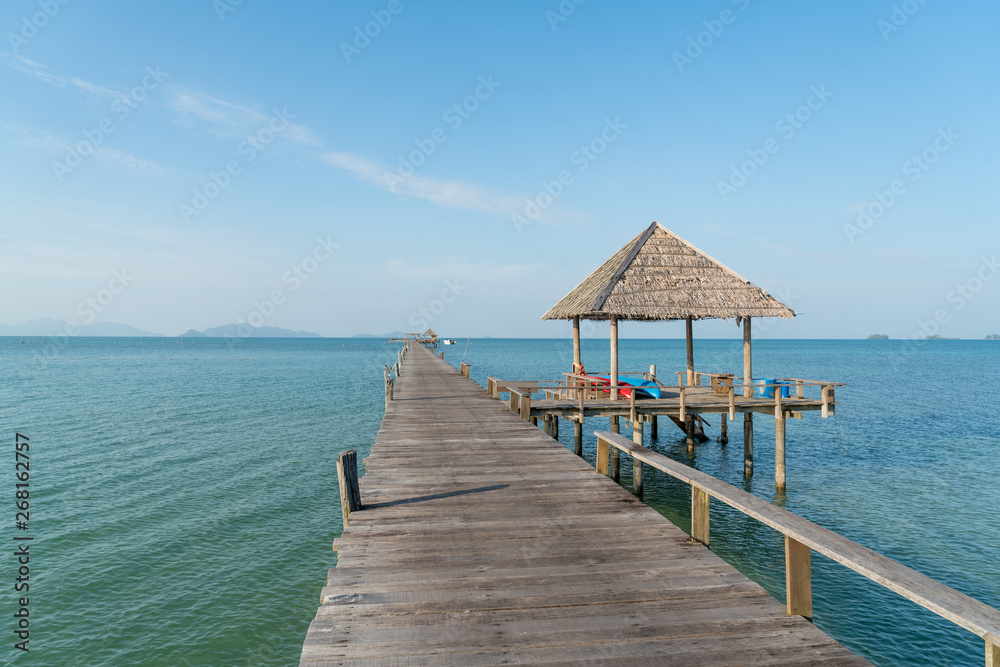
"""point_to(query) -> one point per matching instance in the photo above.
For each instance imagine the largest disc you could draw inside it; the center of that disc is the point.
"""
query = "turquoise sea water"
(184, 496)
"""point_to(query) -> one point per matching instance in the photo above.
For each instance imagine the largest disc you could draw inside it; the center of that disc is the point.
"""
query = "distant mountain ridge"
(391, 334)
(48, 326)
(246, 331)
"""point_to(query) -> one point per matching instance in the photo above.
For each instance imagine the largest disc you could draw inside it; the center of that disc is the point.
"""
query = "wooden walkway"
(484, 542)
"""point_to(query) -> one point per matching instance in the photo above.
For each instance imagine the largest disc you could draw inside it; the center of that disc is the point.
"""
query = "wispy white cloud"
(225, 119)
(228, 119)
(46, 142)
(49, 76)
(449, 194)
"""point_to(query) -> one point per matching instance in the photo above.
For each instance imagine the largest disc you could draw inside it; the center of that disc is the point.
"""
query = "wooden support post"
(525, 406)
(636, 463)
(800, 389)
(652, 372)
(614, 358)
(798, 579)
(732, 403)
(747, 360)
(992, 650)
(748, 444)
(555, 426)
(724, 430)
(547, 425)
(576, 345)
(578, 437)
(689, 424)
(829, 409)
(614, 464)
(514, 405)
(350, 492)
(601, 465)
(683, 415)
(699, 515)
(442, 354)
(654, 427)
(689, 330)
(779, 450)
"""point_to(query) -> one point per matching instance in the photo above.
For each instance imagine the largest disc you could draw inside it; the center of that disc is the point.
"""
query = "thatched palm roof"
(660, 276)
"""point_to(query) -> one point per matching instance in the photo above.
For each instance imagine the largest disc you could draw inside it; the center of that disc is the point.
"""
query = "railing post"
(636, 463)
(350, 492)
(992, 650)
(699, 515)
(513, 401)
(525, 406)
(798, 579)
(601, 464)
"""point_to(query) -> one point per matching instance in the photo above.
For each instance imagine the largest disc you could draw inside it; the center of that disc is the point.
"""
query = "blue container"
(765, 387)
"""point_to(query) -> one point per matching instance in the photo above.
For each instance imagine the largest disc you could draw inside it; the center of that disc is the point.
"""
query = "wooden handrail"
(959, 608)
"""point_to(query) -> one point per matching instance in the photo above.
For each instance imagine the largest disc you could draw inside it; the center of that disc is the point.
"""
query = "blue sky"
(214, 153)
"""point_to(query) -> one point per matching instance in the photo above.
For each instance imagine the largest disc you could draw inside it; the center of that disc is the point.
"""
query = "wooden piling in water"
(779, 444)
(350, 491)
(578, 437)
(748, 444)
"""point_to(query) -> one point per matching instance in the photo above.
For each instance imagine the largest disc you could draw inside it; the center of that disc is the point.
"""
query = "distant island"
(878, 337)
(246, 331)
(993, 337)
(48, 326)
(941, 338)
(391, 334)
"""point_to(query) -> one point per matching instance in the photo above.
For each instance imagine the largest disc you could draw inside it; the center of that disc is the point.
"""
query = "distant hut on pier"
(660, 276)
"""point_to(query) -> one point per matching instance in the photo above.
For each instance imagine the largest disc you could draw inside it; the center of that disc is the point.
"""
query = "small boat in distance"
(448, 341)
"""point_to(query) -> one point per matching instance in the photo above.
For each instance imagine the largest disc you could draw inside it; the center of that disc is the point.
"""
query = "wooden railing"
(803, 536)
(392, 373)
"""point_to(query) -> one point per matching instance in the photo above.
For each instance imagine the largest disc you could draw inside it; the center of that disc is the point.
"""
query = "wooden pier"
(481, 540)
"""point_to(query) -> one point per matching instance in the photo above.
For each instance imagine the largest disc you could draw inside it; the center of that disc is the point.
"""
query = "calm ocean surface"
(184, 496)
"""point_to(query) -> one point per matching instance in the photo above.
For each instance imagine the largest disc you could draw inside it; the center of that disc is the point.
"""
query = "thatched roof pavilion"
(660, 276)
